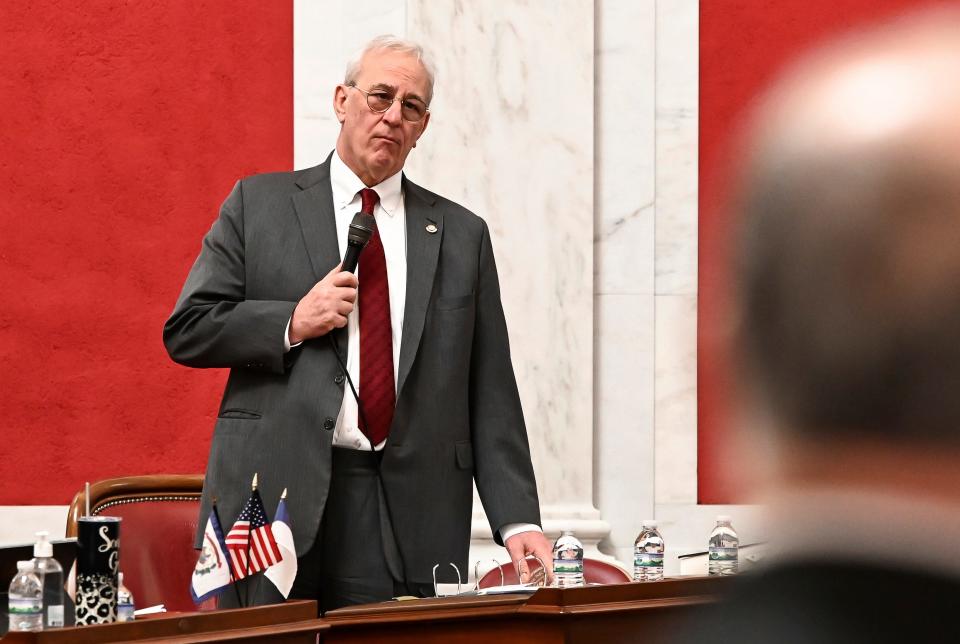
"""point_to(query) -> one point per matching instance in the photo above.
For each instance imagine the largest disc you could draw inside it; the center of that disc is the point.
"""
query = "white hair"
(393, 43)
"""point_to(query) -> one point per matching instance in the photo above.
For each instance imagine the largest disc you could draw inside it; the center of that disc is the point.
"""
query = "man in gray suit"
(381, 491)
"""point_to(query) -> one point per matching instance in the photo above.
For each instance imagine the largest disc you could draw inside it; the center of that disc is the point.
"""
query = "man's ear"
(340, 103)
(426, 121)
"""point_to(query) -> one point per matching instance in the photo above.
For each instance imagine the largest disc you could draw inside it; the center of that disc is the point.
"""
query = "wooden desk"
(615, 613)
(593, 614)
(293, 622)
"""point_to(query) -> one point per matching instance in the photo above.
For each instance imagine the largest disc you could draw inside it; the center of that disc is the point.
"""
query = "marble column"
(625, 268)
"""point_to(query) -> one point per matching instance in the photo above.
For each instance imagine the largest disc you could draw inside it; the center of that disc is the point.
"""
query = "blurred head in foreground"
(848, 262)
(847, 266)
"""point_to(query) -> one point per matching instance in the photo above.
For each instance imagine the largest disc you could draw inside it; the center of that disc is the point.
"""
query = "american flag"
(250, 542)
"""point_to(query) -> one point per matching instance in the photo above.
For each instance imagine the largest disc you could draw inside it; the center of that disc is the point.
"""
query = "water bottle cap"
(24, 566)
(650, 523)
(723, 518)
(43, 547)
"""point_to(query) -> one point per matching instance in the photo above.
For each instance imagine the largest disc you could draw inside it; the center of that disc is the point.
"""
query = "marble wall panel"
(677, 69)
(325, 36)
(624, 268)
(676, 399)
(625, 146)
(623, 416)
(511, 138)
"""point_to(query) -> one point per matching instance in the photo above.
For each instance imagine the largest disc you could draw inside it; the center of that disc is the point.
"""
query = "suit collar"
(423, 252)
(308, 177)
(314, 208)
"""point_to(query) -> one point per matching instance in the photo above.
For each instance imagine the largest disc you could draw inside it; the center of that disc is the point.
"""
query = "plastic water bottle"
(568, 561)
(26, 599)
(724, 548)
(648, 553)
(125, 606)
(50, 573)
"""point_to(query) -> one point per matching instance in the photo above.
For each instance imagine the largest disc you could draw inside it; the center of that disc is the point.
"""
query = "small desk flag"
(283, 573)
(250, 542)
(211, 575)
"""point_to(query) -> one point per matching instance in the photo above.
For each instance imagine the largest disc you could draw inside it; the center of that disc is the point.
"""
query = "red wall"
(743, 44)
(124, 125)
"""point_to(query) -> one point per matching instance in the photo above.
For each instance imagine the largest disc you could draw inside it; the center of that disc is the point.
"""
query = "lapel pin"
(431, 228)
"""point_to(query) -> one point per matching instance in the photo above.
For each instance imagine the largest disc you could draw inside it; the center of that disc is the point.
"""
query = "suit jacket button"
(339, 379)
(329, 423)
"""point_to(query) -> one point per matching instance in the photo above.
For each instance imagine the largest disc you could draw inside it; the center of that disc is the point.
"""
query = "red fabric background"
(743, 44)
(124, 124)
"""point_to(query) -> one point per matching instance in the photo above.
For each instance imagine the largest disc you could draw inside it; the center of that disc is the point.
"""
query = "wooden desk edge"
(176, 625)
(292, 628)
(441, 609)
(615, 607)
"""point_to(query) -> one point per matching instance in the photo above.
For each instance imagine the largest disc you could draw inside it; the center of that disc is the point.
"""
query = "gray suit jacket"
(458, 414)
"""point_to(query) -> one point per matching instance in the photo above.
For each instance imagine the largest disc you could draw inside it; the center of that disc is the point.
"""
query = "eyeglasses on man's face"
(379, 101)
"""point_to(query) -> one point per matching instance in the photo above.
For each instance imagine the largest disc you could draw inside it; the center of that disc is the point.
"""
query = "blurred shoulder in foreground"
(847, 268)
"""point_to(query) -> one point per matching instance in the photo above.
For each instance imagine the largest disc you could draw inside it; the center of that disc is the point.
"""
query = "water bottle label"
(55, 616)
(25, 606)
(723, 554)
(568, 565)
(648, 560)
(125, 612)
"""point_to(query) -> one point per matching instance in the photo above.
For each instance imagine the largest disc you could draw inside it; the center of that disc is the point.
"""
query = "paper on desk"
(150, 610)
(505, 590)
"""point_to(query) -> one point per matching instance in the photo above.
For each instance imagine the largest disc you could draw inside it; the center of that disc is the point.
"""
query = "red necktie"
(376, 337)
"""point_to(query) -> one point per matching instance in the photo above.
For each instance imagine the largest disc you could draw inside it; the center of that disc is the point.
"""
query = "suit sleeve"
(213, 324)
(504, 472)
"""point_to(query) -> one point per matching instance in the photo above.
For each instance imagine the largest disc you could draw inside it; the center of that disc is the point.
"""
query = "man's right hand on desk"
(325, 307)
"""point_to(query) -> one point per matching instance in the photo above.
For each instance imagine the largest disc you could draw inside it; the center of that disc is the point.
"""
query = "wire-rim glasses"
(379, 101)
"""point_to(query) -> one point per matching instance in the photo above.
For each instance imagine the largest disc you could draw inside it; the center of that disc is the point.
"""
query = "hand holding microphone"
(326, 306)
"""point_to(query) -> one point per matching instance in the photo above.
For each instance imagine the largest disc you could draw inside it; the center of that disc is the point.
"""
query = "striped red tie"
(376, 337)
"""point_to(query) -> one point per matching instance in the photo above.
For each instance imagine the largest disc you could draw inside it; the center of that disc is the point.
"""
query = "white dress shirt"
(391, 217)
(391, 224)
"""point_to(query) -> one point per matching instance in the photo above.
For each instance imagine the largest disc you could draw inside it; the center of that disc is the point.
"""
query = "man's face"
(375, 146)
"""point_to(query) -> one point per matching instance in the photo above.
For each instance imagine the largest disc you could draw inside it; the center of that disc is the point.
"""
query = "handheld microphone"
(361, 229)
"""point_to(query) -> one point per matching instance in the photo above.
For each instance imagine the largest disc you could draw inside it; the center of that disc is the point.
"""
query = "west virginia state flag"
(211, 575)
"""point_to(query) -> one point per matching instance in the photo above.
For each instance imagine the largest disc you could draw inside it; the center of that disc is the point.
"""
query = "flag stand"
(246, 591)
(233, 581)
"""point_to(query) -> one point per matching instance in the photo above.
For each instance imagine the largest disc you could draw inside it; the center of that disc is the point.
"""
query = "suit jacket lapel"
(423, 252)
(314, 208)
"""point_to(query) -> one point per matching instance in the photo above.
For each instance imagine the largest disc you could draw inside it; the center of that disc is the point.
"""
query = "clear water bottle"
(724, 548)
(568, 561)
(26, 599)
(50, 573)
(125, 605)
(648, 553)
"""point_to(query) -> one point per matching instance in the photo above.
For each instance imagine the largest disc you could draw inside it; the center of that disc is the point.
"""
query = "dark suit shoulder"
(288, 181)
(453, 212)
(270, 181)
(262, 198)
